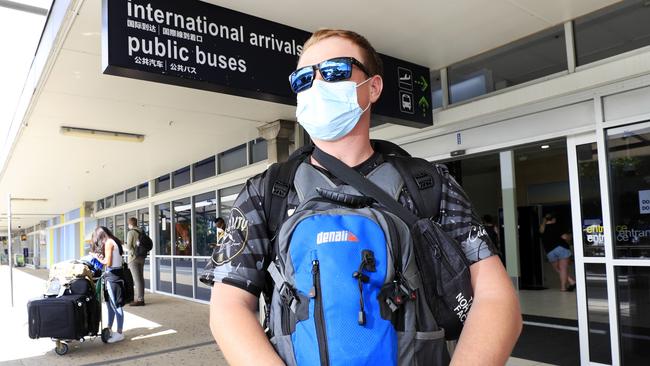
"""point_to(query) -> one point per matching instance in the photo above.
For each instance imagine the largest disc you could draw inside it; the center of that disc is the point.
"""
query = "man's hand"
(494, 321)
(235, 327)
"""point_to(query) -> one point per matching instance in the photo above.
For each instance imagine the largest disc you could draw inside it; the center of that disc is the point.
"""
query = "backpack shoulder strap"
(423, 182)
(278, 183)
(421, 178)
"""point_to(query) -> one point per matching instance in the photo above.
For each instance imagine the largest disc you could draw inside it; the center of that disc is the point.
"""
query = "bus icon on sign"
(406, 102)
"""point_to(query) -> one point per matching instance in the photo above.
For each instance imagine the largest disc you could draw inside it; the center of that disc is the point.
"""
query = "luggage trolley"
(61, 345)
(93, 318)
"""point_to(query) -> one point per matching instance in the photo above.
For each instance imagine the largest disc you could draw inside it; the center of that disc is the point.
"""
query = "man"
(136, 263)
(221, 227)
(238, 266)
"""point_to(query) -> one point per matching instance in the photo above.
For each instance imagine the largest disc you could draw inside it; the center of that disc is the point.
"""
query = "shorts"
(558, 253)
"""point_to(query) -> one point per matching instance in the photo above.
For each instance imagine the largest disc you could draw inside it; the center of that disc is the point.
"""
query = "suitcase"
(82, 286)
(64, 317)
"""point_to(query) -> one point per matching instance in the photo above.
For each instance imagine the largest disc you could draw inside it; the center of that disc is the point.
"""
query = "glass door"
(589, 246)
(628, 164)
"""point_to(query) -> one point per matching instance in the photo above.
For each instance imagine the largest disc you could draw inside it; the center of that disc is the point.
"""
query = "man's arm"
(235, 327)
(494, 321)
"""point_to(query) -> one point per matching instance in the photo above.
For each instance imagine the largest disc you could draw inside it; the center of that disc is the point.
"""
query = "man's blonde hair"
(371, 59)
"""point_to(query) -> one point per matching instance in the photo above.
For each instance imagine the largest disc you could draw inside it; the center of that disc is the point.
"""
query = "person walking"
(558, 251)
(108, 251)
(135, 261)
(337, 80)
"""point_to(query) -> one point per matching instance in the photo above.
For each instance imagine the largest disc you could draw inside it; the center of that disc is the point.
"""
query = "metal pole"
(11, 263)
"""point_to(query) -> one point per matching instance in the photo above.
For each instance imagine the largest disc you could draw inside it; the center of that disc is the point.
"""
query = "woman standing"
(558, 251)
(108, 250)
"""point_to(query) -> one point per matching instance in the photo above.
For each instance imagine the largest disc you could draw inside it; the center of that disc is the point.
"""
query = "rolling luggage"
(64, 317)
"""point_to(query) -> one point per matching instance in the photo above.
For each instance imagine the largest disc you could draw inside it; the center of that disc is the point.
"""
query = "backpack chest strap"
(308, 178)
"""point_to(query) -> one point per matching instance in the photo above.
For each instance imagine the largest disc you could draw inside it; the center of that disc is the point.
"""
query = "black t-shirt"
(552, 237)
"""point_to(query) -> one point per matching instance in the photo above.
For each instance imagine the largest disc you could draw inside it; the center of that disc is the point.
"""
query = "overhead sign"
(199, 45)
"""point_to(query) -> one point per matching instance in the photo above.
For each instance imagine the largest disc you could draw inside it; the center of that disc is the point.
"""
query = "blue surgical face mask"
(329, 111)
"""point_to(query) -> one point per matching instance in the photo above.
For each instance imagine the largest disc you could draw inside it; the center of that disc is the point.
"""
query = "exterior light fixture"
(545, 147)
(101, 134)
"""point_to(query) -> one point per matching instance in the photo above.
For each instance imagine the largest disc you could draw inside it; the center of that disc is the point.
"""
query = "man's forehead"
(328, 48)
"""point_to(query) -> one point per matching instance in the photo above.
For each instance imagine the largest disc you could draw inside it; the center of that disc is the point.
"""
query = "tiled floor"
(549, 303)
(520, 362)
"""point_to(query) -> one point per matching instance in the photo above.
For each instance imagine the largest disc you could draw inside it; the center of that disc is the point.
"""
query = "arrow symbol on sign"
(423, 103)
(424, 83)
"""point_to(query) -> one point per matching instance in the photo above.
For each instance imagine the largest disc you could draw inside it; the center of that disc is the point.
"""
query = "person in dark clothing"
(558, 251)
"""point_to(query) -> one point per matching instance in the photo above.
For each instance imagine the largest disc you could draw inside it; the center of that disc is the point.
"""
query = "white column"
(509, 204)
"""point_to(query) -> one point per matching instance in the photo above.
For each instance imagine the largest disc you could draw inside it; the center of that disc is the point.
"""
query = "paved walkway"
(167, 331)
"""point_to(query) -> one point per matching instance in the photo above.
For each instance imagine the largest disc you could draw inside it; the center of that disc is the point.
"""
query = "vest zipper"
(319, 317)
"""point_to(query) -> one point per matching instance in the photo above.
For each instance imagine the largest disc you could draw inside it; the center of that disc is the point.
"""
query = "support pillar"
(509, 204)
(279, 136)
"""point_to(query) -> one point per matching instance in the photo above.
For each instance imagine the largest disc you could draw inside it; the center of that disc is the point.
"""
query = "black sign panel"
(199, 45)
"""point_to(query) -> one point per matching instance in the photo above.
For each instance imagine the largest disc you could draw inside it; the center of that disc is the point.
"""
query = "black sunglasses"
(334, 69)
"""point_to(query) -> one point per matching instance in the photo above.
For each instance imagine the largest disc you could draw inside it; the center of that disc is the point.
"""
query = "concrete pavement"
(167, 331)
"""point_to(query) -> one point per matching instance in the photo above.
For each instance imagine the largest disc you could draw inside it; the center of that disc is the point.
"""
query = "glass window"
(101, 222)
(183, 277)
(119, 227)
(227, 198)
(258, 150)
(108, 202)
(109, 223)
(164, 271)
(203, 291)
(146, 273)
(633, 297)
(119, 198)
(143, 220)
(524, 60)
(162, 183)
(143, 190)
(613, 30)
(436, 90)
(598, 314)
(181, 177)
(100, 205)
(182, 227)
(593, 236)
(232, 159)
(163, 218)
(205, 214)
(204, 169)
(73, 215)
(131, 194)
(628, 150)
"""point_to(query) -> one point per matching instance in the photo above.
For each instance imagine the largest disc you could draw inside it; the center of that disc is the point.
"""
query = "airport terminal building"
(162, 110)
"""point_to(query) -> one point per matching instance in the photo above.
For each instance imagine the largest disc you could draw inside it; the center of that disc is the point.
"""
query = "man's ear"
(376, 86)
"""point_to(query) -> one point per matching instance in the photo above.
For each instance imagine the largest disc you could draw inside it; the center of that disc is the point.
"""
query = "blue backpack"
(347, 288)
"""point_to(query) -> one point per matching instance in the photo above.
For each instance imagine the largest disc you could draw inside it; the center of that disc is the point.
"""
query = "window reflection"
(205, 214)
(593, 237)
(182, 227)
(628, 151)
(633, 298)
(598, 314)
(163, 218)
(227, 197)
